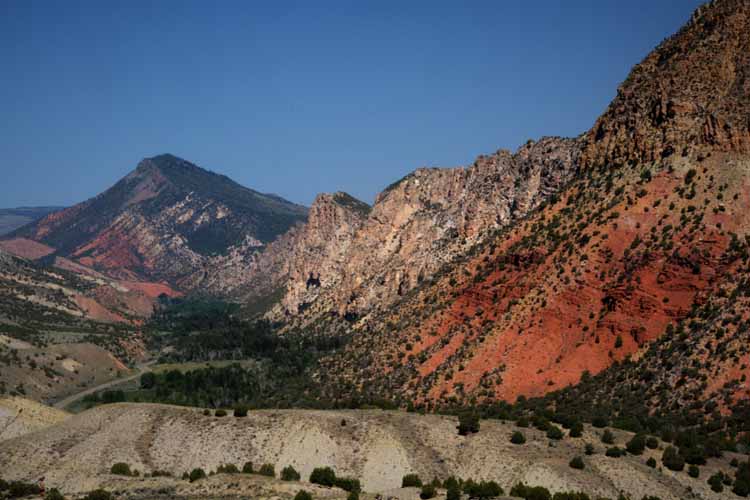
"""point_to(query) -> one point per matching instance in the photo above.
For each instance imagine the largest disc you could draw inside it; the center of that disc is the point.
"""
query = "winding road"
(140, 368)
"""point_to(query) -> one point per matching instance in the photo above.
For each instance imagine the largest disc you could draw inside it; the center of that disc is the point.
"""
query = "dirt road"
(140, 370)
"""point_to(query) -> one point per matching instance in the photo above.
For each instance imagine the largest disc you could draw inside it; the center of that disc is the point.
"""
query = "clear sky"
(297, 98)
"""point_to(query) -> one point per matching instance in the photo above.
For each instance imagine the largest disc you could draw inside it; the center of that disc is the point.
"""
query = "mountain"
(165, 221)
(646, 231)
(351, 259)
(13, 218)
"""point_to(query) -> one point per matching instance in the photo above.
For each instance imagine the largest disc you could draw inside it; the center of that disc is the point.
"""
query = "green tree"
(468, 423)
(517, 438)
(196, 474)
(411, 480)
(98, 495)
(428, 491)
(267, 470)
(289, 473)
(576, 429)
(323, 476)
(608, 437)
(453, 492)
(121, 469)
(302, 495)
(577, 463)
(247, 468)
(636, 445)
(554, 432)
(54, 494)
(694, 471)
(742, 480)
(148, 380)
(227, 469)
(672, 459)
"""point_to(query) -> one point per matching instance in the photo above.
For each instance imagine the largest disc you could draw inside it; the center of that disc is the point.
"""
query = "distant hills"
(164, 221)
(13, 218)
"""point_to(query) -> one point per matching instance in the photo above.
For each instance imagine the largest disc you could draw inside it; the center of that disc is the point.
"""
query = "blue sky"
(297, 98)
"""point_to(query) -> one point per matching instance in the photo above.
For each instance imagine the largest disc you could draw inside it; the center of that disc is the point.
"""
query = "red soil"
(27, 249)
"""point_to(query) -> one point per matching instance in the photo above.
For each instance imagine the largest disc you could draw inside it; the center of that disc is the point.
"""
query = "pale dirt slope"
(20, 416)
(377, 447)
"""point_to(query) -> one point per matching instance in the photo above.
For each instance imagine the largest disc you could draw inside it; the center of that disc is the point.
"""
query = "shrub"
(148, 380)
(554, 432)
(227, 469)
(207, 412)
(353, 495)
(577, 463)
(220, 413)
(576, 430)
(348, 484)
(267, 470)
(247, 468)
(54, 494)
(651, 462)
(323, 476)
(453, 491)
(482, 490)
(468, 423)
(428, 491)
(741, 488)
(121, 469)
(240, 411)
(615, 452)
(742, 480)
(636, 445)
(599, 422)
(196, 474)
(411, 480)
(589, 449)
(694, 471)
(716, 482)
(289, 473)
(98, 495)
(652, 442)
(608, 437)
(517, 438)
(18, 489)
(672, 459)
(302, 495)
(530, 493)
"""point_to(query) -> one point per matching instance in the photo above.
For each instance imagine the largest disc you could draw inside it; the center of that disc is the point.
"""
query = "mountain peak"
(689, 96)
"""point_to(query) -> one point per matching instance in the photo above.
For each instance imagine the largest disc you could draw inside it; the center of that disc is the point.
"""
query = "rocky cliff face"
(651, 229)
(171, 221)
(688, 97)
(352, 260)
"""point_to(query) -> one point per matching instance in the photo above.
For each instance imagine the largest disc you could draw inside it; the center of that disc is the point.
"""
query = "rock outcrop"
(689, 97)
(351, 260)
